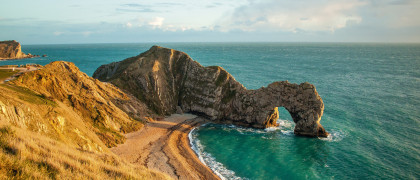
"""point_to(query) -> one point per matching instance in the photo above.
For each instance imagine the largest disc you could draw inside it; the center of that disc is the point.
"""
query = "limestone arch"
(303, 103)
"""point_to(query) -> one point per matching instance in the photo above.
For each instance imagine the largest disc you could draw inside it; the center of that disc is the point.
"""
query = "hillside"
(95, 102)
(61, 126)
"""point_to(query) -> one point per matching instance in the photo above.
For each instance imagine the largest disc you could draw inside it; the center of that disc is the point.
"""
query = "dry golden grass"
(28, 155)
(45, 137)
(56, 148)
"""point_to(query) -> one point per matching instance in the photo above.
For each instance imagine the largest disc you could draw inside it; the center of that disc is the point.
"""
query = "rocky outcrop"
(107, 109)
(165, 78)
(12, 50)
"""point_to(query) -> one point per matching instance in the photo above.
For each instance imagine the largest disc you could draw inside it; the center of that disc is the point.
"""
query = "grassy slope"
(89, 98)
(42, 138)
(5, 73)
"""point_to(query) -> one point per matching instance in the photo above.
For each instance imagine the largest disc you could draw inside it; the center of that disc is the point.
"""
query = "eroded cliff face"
(12, 50)
(104, 107)
(165, 78)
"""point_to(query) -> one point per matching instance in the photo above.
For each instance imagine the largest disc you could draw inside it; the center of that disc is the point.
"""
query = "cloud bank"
(211, 20)
(293, 16)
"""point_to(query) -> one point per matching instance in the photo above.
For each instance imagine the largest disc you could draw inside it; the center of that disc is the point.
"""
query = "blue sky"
(110, 21)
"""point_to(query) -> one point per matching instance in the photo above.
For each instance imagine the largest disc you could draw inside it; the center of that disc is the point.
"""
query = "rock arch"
(180, 81)
(258, 108)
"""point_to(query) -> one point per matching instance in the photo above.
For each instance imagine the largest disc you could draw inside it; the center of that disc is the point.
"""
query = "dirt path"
(164, 146)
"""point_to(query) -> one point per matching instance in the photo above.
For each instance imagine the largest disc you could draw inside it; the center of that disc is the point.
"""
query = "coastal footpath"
(12, 50)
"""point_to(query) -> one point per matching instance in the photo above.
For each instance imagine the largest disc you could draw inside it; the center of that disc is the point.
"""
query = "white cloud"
(293, 16)
(86, 33)
(128, 25)
(175, 28)
(83, 33)
(157, 22)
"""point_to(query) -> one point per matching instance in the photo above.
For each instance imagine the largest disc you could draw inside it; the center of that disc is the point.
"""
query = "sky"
(132, 21)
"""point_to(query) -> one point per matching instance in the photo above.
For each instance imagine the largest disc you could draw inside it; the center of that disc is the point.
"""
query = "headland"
(12, 50)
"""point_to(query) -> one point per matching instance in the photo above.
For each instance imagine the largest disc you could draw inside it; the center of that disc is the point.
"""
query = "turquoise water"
(371, 94)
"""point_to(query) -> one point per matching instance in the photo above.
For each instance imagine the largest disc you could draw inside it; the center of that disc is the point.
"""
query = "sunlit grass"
(29, 95)
(28, 155)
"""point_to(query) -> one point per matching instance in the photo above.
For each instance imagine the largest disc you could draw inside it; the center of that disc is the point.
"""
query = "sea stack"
(166, 79)
(12, 50)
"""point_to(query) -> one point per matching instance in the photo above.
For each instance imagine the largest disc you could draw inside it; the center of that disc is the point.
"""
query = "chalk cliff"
(167, 80)
(12, 50)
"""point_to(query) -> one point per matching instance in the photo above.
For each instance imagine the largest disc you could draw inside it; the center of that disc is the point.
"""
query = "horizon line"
(236, 42)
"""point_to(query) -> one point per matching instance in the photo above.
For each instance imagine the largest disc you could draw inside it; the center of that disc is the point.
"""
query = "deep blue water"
(371, 94)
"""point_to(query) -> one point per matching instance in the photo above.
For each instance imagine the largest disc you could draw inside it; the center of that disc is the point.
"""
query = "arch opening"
(284, 114)
(285, 120)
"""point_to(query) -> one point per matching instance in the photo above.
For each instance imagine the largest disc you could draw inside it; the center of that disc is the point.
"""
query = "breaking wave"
(207, 159)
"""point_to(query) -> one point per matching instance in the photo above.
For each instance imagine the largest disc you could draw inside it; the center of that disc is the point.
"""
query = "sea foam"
(207, 159)
(334, 136)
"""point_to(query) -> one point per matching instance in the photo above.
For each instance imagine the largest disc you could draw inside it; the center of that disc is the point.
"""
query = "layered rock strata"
(12, 50)
(165, 78)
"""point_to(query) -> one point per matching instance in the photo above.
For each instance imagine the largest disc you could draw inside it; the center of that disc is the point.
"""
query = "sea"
(371, 93)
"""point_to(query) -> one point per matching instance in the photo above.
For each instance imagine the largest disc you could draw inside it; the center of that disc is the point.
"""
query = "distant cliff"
(167, 80)
(12, 50)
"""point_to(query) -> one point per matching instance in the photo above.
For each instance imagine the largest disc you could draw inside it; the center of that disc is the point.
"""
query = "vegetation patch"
(30, 96)
(109, 137)
(5, 134)
(5, 73)
(222, 78)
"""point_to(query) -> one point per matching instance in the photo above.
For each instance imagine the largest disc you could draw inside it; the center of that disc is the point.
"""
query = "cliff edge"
(12, 50)
(167, 80)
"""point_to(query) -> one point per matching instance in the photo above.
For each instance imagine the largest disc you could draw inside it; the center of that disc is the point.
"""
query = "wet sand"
(164, 146)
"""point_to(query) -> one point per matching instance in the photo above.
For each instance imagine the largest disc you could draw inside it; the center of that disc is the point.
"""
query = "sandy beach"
(164, 146)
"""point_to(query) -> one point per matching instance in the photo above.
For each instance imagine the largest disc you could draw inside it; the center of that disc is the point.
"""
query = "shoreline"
(165, 146)
(7, 59)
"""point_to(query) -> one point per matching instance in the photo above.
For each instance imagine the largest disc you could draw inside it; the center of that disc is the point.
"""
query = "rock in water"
(12, 50)
(165, 78)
